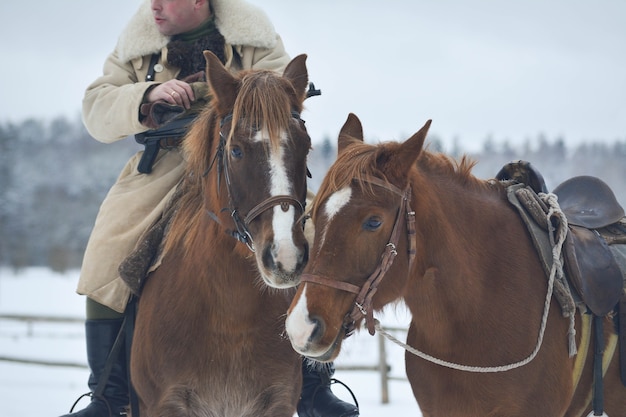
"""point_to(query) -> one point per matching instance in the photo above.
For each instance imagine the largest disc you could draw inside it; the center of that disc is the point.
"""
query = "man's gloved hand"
(160, 112)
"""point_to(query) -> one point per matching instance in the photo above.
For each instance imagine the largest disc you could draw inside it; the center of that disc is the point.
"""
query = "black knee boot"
(100, 336)
(317, 400)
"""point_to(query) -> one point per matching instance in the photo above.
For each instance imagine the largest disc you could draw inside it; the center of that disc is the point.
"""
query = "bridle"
(363, 302)
(241, 231)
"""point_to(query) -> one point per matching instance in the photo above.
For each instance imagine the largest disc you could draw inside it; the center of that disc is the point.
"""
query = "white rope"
(555, 211)
(557, 269)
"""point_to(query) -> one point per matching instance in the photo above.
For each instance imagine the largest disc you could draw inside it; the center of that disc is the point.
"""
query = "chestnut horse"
(209, 333)
(467, 271)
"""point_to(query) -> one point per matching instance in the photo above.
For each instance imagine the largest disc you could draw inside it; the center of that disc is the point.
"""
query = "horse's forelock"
(265, 101)
(357, 163)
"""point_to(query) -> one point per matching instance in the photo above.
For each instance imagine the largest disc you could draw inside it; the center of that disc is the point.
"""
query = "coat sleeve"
(111, 103)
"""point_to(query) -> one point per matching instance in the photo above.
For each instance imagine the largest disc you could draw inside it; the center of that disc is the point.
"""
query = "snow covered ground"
(35, 390)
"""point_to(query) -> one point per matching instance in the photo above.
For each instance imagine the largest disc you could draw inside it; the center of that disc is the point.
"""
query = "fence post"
(383, 368)
(30, 324)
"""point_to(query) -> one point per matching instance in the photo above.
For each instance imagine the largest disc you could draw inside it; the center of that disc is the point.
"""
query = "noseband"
(241, 225)
(363, 302)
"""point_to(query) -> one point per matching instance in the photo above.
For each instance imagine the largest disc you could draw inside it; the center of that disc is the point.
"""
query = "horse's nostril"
(305, 255)
(268, 257)
(318, 329)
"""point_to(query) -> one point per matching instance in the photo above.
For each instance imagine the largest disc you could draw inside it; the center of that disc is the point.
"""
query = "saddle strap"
(598, 374)
(622, 338)
(588, 326)
(130, 315)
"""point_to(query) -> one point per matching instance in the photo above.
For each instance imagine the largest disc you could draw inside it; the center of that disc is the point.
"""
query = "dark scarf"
(185, 50)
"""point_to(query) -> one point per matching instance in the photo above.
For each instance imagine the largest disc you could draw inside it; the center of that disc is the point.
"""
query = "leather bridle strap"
(340, 285)
(363, 302)
(283, 200)
(242, 233)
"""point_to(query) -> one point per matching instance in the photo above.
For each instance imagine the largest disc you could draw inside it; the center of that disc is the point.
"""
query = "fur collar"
(240, 22)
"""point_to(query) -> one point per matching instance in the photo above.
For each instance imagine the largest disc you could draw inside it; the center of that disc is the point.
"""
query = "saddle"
(594, 251)
(596, 222)
(589, 206)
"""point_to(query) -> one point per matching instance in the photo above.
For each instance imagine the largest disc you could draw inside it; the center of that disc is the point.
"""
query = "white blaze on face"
(298, 326)
(334, 204)
(337, 201)
(285, 249)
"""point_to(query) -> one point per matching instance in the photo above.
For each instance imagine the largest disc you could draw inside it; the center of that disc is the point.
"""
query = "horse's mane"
(361, 161)
(264, 103)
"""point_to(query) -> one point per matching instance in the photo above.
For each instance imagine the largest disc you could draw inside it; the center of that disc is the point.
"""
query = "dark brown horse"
(465, 267)
(209, 336)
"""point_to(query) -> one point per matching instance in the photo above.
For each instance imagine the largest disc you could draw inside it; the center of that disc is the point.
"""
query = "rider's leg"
(101, 329)
(317, 400)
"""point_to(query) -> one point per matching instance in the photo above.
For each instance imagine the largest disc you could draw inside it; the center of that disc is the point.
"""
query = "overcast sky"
(506, 69)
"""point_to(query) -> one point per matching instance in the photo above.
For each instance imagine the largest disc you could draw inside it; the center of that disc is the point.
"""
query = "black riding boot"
(317, 400)
(100, 336)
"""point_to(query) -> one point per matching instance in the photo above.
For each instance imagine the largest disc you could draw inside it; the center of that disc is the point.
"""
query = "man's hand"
(174, 92)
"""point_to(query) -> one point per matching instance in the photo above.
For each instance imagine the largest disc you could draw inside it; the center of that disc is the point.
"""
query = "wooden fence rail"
(382, 367)
(30, 321)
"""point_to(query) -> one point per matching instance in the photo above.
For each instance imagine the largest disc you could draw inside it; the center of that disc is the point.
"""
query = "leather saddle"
(589, 205)
(594, 217)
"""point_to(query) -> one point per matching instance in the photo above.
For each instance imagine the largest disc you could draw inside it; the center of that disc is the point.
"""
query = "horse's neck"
(470, 240)
(455, 222)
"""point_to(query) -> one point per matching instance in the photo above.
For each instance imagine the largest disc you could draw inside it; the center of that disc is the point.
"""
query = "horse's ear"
(221, 82)
(411, 148)
(297, 73)
(350, 131)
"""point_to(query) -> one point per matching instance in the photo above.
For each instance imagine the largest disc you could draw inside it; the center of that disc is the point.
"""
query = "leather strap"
(153, 61)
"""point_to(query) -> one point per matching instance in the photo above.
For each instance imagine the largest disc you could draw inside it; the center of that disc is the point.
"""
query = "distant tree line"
(53, 177)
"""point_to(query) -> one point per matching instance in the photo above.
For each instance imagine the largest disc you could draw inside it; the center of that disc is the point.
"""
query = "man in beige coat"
(158, 64)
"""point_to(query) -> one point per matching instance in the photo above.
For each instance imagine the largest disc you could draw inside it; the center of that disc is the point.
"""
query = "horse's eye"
(236, 152)
(372, 223)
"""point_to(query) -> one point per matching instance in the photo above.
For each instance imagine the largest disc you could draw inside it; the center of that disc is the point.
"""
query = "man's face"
(177, 16)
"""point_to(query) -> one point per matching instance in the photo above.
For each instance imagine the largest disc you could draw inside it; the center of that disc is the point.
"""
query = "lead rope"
(557, 270)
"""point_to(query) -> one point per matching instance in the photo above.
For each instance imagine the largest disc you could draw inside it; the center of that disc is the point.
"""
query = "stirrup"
(91, 395)
(331, 382)
(87, 394)
(336, 381)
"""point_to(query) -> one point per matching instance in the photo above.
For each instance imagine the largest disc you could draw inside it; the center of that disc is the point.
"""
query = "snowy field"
(35, 390)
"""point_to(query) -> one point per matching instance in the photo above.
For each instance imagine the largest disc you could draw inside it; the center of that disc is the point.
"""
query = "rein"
(363, 302)
(242, 233)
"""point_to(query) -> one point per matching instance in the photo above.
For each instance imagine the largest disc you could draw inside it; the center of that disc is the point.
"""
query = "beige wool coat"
(111, 112)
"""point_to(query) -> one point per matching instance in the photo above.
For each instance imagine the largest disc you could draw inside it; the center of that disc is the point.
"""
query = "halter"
(241, 225)
(363, 302)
